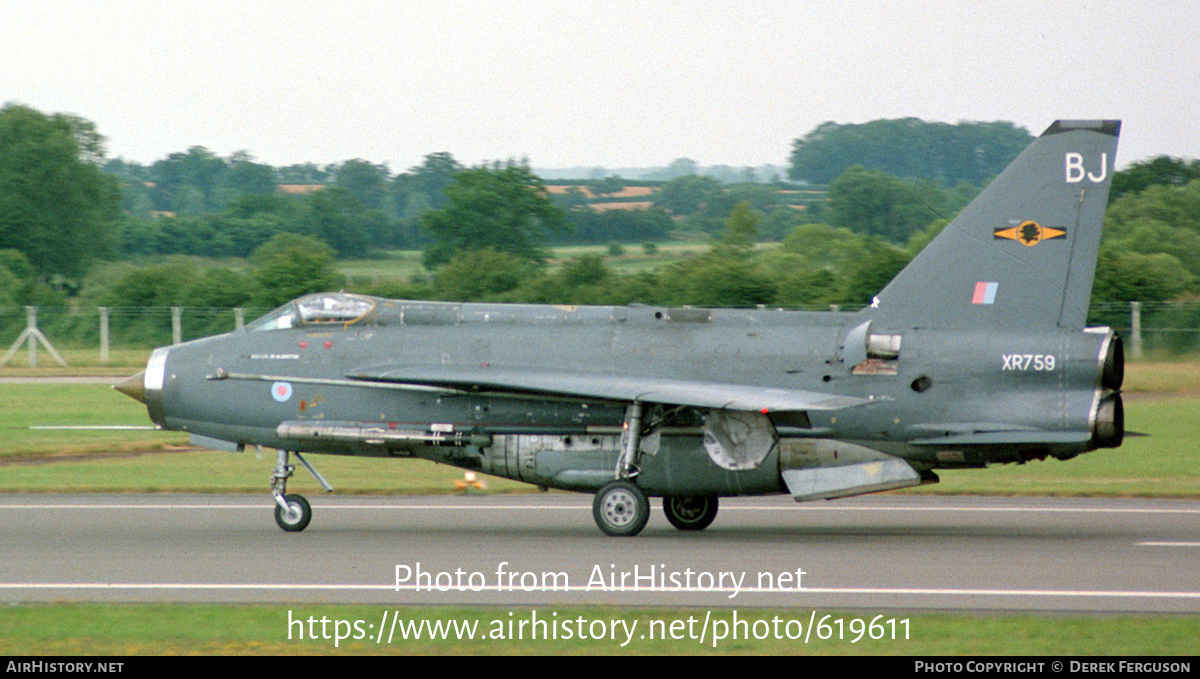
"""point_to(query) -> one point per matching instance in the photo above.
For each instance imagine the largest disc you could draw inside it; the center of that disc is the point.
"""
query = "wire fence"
(1150, 330)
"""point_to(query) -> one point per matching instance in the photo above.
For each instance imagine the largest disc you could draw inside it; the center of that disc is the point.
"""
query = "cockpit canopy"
(325, 307)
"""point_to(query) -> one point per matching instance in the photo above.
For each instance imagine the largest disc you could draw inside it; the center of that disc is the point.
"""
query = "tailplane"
(1022, 255)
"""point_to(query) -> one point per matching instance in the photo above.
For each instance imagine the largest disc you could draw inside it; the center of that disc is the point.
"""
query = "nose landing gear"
(292, 512)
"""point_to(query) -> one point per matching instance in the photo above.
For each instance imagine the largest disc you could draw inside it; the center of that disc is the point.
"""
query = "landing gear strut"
(292, 512)
(620, 507)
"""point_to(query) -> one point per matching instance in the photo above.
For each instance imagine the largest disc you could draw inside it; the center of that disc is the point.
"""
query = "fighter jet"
(976, 353)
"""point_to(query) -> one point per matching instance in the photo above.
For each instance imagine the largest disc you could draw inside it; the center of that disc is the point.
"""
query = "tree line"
(485, 230)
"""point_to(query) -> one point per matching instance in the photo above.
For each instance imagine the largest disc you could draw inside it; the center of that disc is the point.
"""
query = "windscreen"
(337, 307)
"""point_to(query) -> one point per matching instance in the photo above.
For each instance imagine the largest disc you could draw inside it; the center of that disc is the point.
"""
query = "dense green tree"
(365, 182)
(875, 203)
(723, 277)
(163, 284)
(290, 265)
(1123, 276)
(798, 281)
(246, 177)
(778, 221)
(680, 167)
(420, 190)
(1161, 218)
(431, 178)
(592, 226)
(608, 186)
(482, 275)
(874, 267)
(56, 207)
(687, 195)
(339, 220)
(824, 245)
(1162, 170)
(971, 152)
(504, 208)
(18, 264)
(584, 270)
(8, 287)
(304, 173)
(188, 183)
(742, 228)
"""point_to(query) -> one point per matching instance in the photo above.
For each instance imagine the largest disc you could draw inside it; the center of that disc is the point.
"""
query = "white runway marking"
(1169, 544)
(306, 587)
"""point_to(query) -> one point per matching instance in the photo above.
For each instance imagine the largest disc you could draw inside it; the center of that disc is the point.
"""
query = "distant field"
(395, 265)
(402, 265)
(634, 258)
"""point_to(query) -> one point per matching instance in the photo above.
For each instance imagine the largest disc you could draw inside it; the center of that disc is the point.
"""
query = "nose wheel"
(294, 514)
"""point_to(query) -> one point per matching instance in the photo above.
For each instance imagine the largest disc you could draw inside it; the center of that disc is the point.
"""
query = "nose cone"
(133, 387)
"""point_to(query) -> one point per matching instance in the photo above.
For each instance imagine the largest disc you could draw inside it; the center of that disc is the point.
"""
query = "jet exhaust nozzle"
(1110, 422)
(1112, 370)
(134, 387)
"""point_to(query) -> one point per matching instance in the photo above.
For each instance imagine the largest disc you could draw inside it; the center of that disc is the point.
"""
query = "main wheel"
(297, 516)
(690, 513)
(621, 508)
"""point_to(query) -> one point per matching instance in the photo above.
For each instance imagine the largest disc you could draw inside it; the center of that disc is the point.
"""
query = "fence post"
(239, 318)
(33, 336)
(1135, 330)
(104, 334)
(176, 325)
(30, 326)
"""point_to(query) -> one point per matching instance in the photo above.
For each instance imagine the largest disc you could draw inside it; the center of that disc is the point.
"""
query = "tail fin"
(1023, 253)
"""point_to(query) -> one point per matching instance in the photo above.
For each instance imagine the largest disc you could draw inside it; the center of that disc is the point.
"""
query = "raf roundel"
(281, 391)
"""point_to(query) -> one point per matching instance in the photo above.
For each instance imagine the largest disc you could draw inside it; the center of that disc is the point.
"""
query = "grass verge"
(1164, 464)
(210, 629)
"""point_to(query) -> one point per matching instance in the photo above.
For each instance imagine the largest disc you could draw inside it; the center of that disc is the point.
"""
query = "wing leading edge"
(621, 388)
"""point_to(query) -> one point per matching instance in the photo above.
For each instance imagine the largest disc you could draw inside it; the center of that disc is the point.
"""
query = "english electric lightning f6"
(976, 353)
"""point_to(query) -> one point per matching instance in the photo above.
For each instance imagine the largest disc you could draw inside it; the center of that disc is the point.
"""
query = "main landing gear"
(292, 512)
(690, 513)
(621, 508)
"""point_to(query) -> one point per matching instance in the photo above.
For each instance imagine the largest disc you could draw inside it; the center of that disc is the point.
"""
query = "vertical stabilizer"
(1022, 255)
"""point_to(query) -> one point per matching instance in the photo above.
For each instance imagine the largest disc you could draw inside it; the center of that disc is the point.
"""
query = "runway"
(875, 553)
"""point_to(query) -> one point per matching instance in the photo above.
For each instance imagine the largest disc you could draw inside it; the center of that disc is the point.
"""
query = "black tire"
(690, 513)
(621, 509)
(297, 519)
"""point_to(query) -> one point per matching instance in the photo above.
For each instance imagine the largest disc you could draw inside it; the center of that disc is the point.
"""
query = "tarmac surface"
(874, 553)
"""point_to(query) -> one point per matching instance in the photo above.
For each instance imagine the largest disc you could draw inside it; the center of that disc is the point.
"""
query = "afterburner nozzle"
(133, 387)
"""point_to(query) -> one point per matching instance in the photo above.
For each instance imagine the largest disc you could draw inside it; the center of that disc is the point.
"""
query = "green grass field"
(1163, 401)
(1165, 464)
(211, 629)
